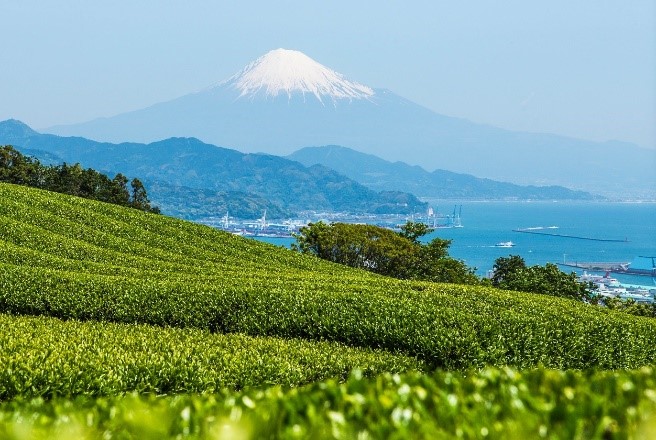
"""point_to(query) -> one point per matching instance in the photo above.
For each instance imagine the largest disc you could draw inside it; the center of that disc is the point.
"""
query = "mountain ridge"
(379, 174)
(188, 163)
(164, 173)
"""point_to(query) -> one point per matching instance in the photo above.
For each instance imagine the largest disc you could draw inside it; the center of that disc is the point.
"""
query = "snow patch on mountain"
(284, 71)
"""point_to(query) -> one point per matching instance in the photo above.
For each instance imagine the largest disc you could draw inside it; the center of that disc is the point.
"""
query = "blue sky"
(580, 68)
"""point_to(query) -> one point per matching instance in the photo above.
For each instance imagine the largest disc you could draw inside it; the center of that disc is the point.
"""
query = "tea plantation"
(211, 331)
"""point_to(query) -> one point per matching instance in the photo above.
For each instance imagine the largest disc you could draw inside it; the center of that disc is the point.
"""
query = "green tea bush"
(46, 357)
(492, 404)
(445, 326)
(77, 259)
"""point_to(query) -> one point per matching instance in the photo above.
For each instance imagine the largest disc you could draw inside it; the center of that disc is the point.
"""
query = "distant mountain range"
(381, 175)
(190, 179)
(284, 101)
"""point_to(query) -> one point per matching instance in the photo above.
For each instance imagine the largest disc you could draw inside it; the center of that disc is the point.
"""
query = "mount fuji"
(285, 100)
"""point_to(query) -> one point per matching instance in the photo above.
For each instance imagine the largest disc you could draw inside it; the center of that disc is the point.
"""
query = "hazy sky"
(583, 68)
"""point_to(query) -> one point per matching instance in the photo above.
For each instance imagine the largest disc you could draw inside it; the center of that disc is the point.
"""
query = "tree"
(507, 269)
(512, 274)
(119, 190)
(68, 179)
(436, 249)
(414, 230)
(18, 169)
(449, 270)
(399, 255)
(366, 247)
(139, 197)
(72, 179)
(631, 307)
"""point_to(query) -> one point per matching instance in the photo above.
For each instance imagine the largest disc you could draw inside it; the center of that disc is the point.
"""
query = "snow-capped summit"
(286, 72)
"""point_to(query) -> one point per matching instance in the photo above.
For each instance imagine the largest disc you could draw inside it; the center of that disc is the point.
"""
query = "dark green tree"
(119, 190)
(366, 247)
(67, 179)
(507, 268)
(447, 270)
(511, 273)
(631, 306)
(18, 169)
(413, 231)
(436, 249)
(399, 255)
(72, 179)
(139, 199)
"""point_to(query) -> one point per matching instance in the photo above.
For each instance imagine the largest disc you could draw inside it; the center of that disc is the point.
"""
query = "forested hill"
(192, 164)
(380, 174)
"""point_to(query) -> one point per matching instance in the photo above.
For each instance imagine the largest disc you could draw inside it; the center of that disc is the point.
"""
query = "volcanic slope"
(284, 100)
(72, 258)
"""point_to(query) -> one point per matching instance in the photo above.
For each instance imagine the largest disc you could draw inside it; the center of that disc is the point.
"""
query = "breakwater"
(597, 267)
(577, 237)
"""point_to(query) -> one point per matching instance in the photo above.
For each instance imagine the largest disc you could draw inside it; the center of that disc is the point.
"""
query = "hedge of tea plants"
(98, 300)
(489, 404)
(77, 259)
(46, 357)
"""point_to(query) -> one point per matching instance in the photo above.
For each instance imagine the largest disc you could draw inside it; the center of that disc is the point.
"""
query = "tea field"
(115, 323)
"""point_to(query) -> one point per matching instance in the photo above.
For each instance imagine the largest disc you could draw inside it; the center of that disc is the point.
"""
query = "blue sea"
(488, 223)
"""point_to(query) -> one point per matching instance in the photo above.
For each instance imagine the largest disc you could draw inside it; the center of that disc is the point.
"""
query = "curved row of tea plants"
(445, 326)
(42, 356)
(493, 404)
(73, 258)
(154, 237)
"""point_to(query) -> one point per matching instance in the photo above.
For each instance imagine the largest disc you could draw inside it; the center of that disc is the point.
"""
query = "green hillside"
(123, 300)
(74, 258)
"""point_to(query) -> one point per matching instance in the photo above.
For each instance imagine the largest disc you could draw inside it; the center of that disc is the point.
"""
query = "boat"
(505, 244)
(606, 279)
